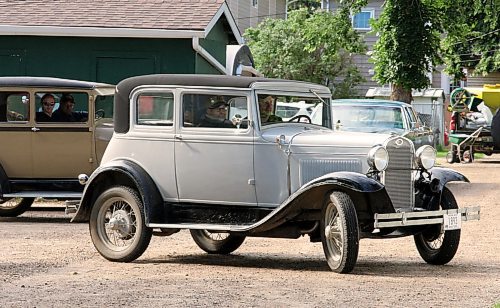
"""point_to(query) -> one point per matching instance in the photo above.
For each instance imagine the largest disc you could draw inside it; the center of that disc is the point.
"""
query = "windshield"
(366, 118)
(275, 108)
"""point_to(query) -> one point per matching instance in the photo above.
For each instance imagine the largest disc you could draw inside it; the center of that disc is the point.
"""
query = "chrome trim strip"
(44, 194)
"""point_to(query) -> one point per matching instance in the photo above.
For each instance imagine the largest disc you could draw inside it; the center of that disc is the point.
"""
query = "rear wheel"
(117, 225)
(468, 156)
(435, 245)
(217, 242)
(15, 206)
(340, 233)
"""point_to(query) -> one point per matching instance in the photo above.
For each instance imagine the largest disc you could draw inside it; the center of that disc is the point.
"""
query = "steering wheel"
(300, 116)
(100, 114)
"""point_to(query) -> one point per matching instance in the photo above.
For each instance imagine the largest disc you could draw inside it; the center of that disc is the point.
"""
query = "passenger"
(216, 115)
(266, 109)
(48, 102)
(65, 111)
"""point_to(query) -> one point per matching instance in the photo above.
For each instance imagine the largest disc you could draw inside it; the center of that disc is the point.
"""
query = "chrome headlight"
(378, 158)
(426, 157)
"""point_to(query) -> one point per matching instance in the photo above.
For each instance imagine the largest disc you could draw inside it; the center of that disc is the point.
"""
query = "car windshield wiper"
(319, 97)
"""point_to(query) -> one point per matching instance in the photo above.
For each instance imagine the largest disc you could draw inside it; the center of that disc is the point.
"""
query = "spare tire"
(495, 129)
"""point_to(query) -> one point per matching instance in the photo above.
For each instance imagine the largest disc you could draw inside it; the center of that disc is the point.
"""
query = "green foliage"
(473, 36)
(415, 34)
(307, 46)
(311, 5)
(408, 44)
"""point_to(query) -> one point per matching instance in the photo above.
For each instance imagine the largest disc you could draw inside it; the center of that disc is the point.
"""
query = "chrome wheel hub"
(121, 223)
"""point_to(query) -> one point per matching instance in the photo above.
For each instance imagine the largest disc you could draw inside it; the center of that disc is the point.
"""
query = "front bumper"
(404, 219)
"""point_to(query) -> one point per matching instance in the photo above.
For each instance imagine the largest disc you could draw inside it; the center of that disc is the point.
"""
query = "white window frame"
(372, 15)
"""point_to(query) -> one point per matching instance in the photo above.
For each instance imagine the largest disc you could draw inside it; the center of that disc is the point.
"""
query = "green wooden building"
(110, 40)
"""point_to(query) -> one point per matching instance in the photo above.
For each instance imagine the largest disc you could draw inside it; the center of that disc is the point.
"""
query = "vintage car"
(165, 169)
(42, 157)
(381, 116)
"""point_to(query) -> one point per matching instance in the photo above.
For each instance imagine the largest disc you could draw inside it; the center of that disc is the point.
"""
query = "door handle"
(178, 137)
(34, 129)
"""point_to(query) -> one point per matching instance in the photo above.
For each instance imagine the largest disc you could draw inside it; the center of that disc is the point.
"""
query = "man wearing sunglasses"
(48, 102)
(216, 115)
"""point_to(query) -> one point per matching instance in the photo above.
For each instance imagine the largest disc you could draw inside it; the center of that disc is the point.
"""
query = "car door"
(62, 149)
(214, 164)
(15, 133)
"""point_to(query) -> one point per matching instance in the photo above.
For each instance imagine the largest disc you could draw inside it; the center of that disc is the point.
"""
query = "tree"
(417, 35)
(473, 36)
(313, 47)
(311, 5)
(408, 45)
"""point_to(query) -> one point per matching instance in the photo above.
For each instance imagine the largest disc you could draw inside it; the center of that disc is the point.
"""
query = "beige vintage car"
(51, 130)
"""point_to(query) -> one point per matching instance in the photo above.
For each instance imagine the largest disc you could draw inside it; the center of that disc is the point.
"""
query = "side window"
(104, 106)
(61, 107)
(14, 107)
(412, 119)
(155, 109)
(214, 110)
(361, 21)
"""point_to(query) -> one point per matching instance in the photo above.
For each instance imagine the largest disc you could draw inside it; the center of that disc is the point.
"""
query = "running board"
(211, 227)
(45, 194)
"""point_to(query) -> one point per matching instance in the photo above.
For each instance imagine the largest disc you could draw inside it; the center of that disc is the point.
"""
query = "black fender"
(120, 172)
(446, 175)
(430, 188)
(4, 182)
(368, 195)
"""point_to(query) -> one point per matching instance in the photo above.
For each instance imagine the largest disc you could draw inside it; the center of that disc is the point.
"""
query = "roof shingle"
(136, 14)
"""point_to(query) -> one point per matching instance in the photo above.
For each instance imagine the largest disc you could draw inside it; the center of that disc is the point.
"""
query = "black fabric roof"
(48, 82)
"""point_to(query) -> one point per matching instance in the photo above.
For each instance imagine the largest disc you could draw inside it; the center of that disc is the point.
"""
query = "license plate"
(452, 221)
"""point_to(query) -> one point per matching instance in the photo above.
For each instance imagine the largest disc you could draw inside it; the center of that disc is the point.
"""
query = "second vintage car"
(43, 148)
(208, 154)
(381, 116)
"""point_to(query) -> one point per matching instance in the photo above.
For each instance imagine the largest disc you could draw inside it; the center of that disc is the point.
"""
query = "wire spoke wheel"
(435, 245)
(117, 225)
(339, 233)
(217, 242)
(13, 207)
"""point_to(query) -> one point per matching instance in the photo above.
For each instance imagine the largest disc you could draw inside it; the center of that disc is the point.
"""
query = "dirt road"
(46, 261)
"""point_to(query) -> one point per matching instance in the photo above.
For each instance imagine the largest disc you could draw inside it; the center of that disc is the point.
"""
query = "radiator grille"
(398, 175)
(313, 168)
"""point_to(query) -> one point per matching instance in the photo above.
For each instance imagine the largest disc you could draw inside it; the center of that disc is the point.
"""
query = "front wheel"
(340, 233)
(435, 245)
(15, 206)
(117, 225)
(451, 157)
(217, 242)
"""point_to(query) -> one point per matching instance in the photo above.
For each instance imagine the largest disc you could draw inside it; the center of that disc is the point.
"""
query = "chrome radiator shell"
(398, 178)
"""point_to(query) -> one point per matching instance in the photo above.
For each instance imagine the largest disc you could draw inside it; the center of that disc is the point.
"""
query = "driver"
(266, 109)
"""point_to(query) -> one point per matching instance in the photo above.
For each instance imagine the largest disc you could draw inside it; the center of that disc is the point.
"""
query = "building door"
(113, 69)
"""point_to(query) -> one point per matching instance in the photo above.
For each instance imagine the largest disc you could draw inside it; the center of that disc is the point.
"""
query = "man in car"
(216, 115)
(65, 111)
(266, 109)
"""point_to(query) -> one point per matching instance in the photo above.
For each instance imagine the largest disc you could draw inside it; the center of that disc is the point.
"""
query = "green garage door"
(114, 69)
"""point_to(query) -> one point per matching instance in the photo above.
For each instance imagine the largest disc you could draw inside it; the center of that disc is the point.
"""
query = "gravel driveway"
(46, 261)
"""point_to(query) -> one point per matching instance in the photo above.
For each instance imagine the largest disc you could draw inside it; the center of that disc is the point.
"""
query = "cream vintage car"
(242, 174)
(40, 156)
